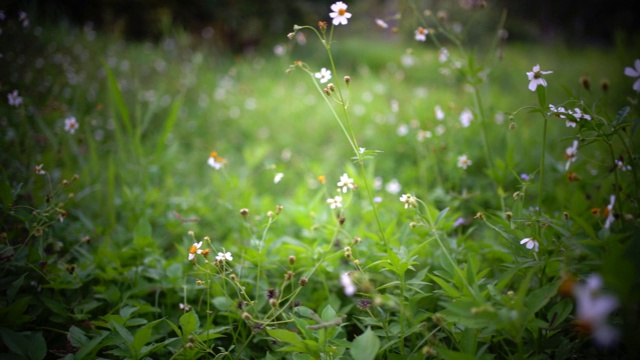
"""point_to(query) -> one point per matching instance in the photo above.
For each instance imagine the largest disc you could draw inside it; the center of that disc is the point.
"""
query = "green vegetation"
(112, 218)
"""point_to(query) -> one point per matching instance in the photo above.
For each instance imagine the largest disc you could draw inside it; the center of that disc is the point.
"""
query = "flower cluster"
(409, 200)
(576, 113)
(215, 161)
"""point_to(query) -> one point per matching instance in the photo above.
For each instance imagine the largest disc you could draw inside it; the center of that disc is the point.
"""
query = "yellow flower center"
(193, 249)
(341, 12)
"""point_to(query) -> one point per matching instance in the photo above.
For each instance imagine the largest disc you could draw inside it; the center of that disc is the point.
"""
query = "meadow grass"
(96, 241)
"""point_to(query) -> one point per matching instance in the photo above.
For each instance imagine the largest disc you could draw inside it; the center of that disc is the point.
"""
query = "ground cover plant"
(441, 194)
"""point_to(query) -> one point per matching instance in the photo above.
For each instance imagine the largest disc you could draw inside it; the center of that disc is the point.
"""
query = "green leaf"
(540, 297)
(448, 289)
(126, 334)
(541, 91)
(559, 312)
(189, 322)
(168, 125)
(14, 287)
(142, 237)
(87, 350)
(365, 346)
(288, 337)
(126, 311)
(440, 216)
(143, 335)
(28, 345)
(174, 327)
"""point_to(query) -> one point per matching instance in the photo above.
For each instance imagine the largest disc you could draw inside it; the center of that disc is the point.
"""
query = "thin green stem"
(544, 149)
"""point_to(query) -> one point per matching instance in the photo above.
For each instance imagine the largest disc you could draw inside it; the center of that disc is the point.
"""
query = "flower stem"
(544, 149)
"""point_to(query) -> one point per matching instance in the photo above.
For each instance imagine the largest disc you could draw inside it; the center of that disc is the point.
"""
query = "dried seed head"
(244, 212)
(273, 303)
(303, 282)
(292, 260)
(605, 84)
(585, 82)
(246, 316)
(347, 80)
(279, 209)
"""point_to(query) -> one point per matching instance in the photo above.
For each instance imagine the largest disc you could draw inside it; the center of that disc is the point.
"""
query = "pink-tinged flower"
(335, 202)
(14, 98)
(571, 154)
(609, 211)
(535, 77)
(530, 244)
(347, 284)
(443, 55)
(592, 310)
(421, 34)
(195, 249)
(465, 117)
(438, 112)
(635, 73)
(464, 162)
(340, 15)
(621, 166)
(324, 75)
(71, 125)
(226, 256)
(346, 183)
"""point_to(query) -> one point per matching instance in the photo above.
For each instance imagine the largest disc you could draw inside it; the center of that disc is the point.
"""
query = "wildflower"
(463, 162)
(340, 15)
(579, 115)
(393, 187)
(609, 211)
(71, 125)
(535, 77)
(381, 23)
(421, 34)
(23, 18)
(525, 177)
(465, 117)
(322, 179)
(571, 154)
(335, 202)
(439, 113)
(346, 183)
(215, 161)
(347, 284)
(194, 249)
(530, 243)
(443, 55)
(364, 303)
(621, 166)
(459, 221)
(278, 177)
(635, 73)
(592, 309)
(324, 75)
(224, 256)
(14, 98)
(408, 200)
(38, 169)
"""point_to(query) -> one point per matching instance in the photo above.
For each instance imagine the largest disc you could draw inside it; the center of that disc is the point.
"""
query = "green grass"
(111, 276)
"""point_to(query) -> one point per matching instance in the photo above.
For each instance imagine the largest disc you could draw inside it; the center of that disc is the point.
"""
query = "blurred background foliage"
(244, 25)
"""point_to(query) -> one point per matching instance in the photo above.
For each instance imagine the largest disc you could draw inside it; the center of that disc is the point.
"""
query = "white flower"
(278, 177)
(610, 217)
(465, 117)
(194, 249)
(634, 72)
(530, 243)
(592, 309)
(71, 125)
(14, 98)
(421, 34)
(335, 202)
(571, 154)
(393, 186)
(381, 23)
(463, 161)
(408, 200)
(340, 15)
(621, 166)
(224, 256)
(439, 113)
(347, 284)
(324, 75)
(215, 161)
(535, 77)
(346, 183)
(580, 115)
(39, 169)
(443, 55)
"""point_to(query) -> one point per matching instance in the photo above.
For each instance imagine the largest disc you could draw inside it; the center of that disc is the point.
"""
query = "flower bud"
(244, 212)
(303, 282)
(292, 260)
(347, 80)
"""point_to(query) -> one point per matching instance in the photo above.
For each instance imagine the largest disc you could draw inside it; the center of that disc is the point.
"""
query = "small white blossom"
(216, 161)
(224, 256)
(635, 73)
(14, 98)
(393, 186)
(464, 162)
(443, 55)
(381, 23)
(347, 284)
(39, 169)
(421, 34)
(71, 125)
(571, 154)
(593, 308)
(346, 183)
(195, 249)
(335, 202)
(408, 200)
(340, 15)
(324, 75)
(530, 244)
(610, 217)
(465, 117)
(621, 166)
(277, 178)
(535, 77)
(439, 113)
